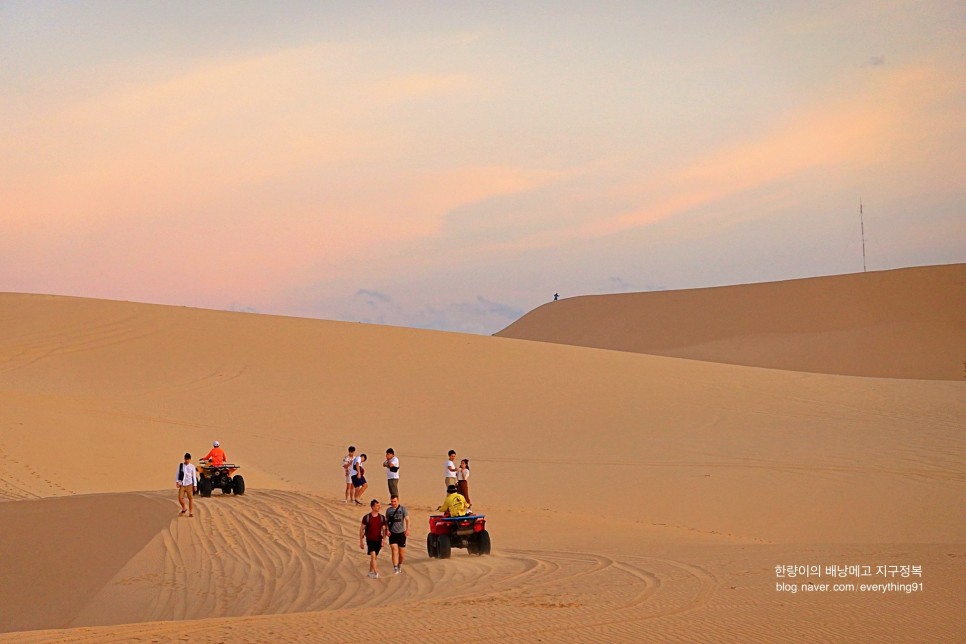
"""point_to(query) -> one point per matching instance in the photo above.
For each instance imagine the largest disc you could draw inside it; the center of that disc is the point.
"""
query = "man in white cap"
(216, 456)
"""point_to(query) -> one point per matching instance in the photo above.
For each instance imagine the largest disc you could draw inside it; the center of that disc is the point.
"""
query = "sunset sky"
(452, 165)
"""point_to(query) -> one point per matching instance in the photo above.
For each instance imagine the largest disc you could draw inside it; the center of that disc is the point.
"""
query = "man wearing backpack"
(358, 473)
(398, 518)
(187, 484)
(372, 534)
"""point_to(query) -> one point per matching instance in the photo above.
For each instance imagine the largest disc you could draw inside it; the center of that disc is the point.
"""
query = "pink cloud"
(883, 124)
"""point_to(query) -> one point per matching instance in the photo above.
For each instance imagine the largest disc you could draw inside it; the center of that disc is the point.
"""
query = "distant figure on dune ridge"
(450, 470)
(462, 481)
(372, 534)
(216, 456)
(392, 472)
(398, 519)
(556, 296)
(187, 484)
(359, 484)
(455, 503)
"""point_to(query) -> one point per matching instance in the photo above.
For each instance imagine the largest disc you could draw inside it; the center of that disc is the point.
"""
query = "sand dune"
(58, 552)
(908, 323)
(630, 496)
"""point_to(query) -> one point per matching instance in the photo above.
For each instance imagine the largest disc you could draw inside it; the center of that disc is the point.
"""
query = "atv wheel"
(432, 545)
(204, 486)
(238, 484)
(483, 543)
(443, 546)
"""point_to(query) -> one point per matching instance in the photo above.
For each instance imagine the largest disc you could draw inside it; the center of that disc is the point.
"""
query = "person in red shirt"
(216, 456)
(372, 534)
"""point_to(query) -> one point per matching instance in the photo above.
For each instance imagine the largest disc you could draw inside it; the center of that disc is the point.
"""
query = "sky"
(451, 165)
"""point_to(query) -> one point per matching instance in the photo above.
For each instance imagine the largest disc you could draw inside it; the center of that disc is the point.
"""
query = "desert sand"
(905, 323)
(630, 496)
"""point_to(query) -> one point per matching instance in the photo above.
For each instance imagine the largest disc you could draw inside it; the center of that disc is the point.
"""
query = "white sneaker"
(396, 570)
(375, 575)
(369, 575)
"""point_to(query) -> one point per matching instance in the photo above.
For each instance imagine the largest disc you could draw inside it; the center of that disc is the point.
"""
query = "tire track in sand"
(277, 552)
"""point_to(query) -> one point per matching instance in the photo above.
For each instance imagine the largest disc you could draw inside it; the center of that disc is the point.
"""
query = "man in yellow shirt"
(455, 503)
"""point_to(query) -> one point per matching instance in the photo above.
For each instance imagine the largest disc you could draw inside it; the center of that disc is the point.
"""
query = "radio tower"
(862, 224)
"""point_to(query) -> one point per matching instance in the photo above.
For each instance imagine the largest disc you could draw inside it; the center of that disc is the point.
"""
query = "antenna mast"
(862, 223)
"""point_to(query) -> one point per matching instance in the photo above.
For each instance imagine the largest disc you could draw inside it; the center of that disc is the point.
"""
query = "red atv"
(446, 533)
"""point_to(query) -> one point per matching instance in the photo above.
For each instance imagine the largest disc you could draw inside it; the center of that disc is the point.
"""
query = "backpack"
(391, 520)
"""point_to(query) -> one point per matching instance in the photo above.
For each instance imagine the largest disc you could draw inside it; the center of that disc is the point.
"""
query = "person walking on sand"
(463, 481)
(346, 465)
(450, 478)
(397, 517)
(372, 534)
(392, 472)
(359, 484)
(187, 484)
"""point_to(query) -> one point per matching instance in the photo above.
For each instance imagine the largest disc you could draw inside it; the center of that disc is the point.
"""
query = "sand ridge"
(905, 323)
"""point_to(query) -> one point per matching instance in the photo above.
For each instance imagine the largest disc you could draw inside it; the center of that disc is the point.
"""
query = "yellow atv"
(219, 477)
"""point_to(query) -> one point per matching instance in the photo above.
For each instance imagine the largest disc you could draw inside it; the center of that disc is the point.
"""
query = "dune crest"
(905, 323)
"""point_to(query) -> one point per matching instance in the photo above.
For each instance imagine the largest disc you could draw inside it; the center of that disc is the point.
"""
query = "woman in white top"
(462, 480)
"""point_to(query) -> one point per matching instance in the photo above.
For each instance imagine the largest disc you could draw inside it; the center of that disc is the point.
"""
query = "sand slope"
(908, 323)
(58, 552)
(629, 495)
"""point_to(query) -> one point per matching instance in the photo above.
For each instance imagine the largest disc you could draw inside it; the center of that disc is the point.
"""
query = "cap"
(216, 444)
(450, 488)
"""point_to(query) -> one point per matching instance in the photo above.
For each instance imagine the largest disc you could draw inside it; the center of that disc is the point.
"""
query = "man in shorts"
(450, 476)
(392, 472)
(359, 484)
(346, 466)
(372, 534)
(398, 518)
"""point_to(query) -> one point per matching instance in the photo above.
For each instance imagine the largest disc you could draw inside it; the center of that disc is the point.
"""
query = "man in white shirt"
(358, 475)
(392, 472)
(187, 484)
(450, 476)
(349, 471)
